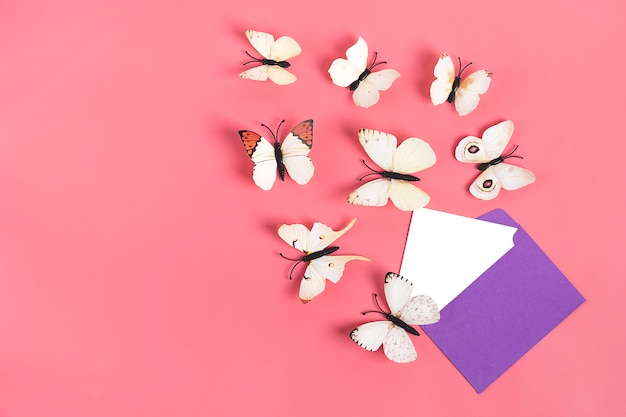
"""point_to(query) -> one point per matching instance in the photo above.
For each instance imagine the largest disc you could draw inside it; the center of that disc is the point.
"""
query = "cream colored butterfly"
(315, 246)
(397, 162)
(405, 312)
(354, 73)
(275, 55)
(496, 174)
(464, 93)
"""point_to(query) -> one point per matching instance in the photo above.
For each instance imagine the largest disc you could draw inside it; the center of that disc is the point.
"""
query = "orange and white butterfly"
(321, 266)
(405, 312)
(451, 88)
(275, 55)
(487, 152)
(355, 73)
(397, 162)
(293, 154)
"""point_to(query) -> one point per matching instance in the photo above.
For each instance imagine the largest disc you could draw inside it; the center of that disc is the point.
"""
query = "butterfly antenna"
(374, 172)
(270, 130)
(374, 63)
(253, 59)
(510, 154)
(278, 128)
(293, 267)
(379, 311)
(461, 69)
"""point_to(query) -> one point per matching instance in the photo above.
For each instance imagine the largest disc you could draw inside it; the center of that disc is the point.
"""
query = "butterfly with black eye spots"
(405, 311)
(464, 93)
(487, 152)
(291, 156)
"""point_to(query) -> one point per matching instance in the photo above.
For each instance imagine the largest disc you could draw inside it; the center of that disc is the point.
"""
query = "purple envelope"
(505, 312)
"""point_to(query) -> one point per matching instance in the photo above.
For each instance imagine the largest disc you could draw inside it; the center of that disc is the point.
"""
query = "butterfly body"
(405, 311)
(496, 173)
(451, 87)
(398, 162)
(292, 155)
(318, 254)
(354, 73)
(280, 165)
(314, 245)
(274, 58)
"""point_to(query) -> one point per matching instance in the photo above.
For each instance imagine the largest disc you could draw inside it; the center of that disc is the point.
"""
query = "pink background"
(139, 267)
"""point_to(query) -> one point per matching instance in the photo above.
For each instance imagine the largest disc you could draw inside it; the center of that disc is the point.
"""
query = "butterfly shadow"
(425, 62)
(228, 132)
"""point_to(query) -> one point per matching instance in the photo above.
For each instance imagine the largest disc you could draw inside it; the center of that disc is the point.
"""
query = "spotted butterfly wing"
(405, 311)
(291, 156)
(488, 152)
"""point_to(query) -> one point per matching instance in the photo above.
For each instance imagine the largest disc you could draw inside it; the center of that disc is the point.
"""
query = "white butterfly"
(449, 87)
(274, 61)
(355, 73)
(496, 174)
(314, 245)
(397, 163)
(293, 154)
(405, 312)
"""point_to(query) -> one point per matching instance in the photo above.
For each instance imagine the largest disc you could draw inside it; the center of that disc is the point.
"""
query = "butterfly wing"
(413, 155)
(279, 75)
(374, 193)
(406, 196)
(261, 151)
(321, 236)
(420, 309)
(284, 48)
(257, 73)
(367, 93)
(444, 77)
(398, 346)
(370, 335)
(312, 283)
(295, 149)
(492, 144)
(467, 95)
(510, 177)
(397, 291)
(332, 267)
(344, 72)
(296, 236)
(379, 146)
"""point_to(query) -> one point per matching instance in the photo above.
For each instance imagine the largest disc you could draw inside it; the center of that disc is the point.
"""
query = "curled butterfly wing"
(322, 236)
(295, 149)
(444, 77)
(319, 270)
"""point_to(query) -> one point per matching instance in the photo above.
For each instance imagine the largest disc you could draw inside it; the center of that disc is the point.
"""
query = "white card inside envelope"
(445, 253)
